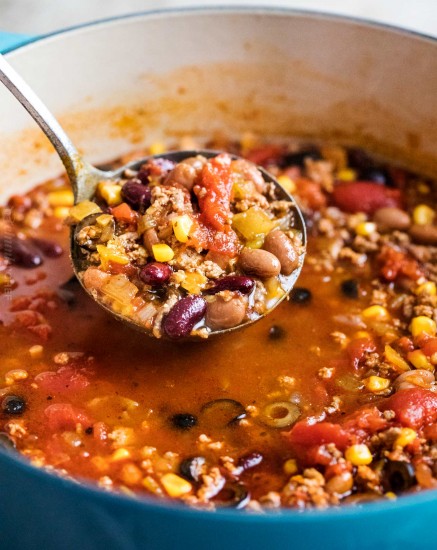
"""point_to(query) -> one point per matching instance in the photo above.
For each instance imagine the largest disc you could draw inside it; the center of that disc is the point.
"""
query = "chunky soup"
(329, 399)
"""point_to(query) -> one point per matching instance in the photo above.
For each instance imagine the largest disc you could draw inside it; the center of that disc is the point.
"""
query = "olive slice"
(191, 468)
(88, 233)
(233, 495)
(223, 412)
(398, 476)
(280, 414)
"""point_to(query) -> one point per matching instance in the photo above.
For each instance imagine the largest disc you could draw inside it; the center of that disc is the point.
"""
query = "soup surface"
(329, 399)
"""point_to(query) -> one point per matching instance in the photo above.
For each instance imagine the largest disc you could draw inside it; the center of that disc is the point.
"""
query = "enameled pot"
(123, 83)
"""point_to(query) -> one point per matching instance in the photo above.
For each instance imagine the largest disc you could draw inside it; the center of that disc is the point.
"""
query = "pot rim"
(283, 515)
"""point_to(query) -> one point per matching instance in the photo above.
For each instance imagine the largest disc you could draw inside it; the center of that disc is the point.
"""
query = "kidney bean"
(421, 378)
(180, 320)
(424, 234)
(221, 314)
(155, 274)
(20, 252)
(281, 246)
(51, 249)
(389, 218)
(259, 263)
(136, 194)
(235, 283)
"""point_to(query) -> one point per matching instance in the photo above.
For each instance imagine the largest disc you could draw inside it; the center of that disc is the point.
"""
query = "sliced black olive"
(88, 233)
(6, 441)
(398, 476)
(184, 421)
(233, 495)
(300, 295)
(223, 412)
(250, 460)
(276, 332)
(13, 404)
(350, 288)
(191, 468)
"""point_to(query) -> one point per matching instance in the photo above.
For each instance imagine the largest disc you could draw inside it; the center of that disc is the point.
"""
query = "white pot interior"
(120, 85)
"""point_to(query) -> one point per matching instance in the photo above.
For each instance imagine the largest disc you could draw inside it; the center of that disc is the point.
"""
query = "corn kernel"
(347, 174)
(422, 324)
(423, 215)
(61, 197)
(419, 360)
(157, 148)
(194, 282)
(358, 454)
(175, 485)
(429, 288)
(407, 436)
(287, 183)
(393, 357)
(120, 454)
(36, 351)
(84, 209)
(61, 212)
(15, 375)
(290, 467)
(162, 252)
(365, 229)
(130, 474)
(181, 227)
(423, 188)
(375, 313)
(390, 495)
(361, 334)
(376, 384)
(151, 485)
(110, 192)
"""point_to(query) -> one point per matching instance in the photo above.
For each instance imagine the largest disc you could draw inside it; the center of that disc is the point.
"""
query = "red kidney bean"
(180, 320)
(19, 252)
(51, 249)
(235, 283)
(155, 274)
(136, 194)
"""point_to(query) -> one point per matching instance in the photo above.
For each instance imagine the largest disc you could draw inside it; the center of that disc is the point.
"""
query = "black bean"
(136, 194)
(300, 295)
(233, 495)
(236, 283)
(155, 274)
(298, 159)
(250, 460)
(13, 404)
(184, 421)
(51, 249)
(19, 252)
(183, 316)
(398, 476)
(276, 332)
(221, 413)
(191, 468)
(350, 288)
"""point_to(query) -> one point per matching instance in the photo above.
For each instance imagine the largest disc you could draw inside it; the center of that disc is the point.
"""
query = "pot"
(128, 82)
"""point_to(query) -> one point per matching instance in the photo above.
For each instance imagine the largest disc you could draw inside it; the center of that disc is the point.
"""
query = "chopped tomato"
(226, 243)
(307, 435)
(66, 379)
(124, 213)
(358, 348)
(395, 263)
(365, 196)
(405, 344)
(265, 155)
(364, 422)
(63, 416)
(214, 192)
(413, 407)
(310, 194)
(429, 347)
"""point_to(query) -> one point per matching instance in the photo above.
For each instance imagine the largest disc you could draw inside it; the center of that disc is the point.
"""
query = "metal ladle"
(84, 179)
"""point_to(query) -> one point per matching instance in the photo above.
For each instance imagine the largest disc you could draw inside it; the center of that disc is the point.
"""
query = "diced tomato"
(395, 263)
(429, 347)
(65, 379)
(63, 416)
(310, 194)
(265, 155)
(358, 348)
(307, 435)
(413, 407)
(337, 469)
(430, 432)
(124, 213)
(365, 196)
(214, 192)
(405, 344)
(364, 422)
(224, 243)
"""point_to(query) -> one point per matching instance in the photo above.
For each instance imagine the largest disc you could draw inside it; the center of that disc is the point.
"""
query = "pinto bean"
(414, 378)
(249, 172)
(389, 218)
(150, 237)
(259, 263)
(182, 317)
(94, 278)
(424, 234)
(340, 484)
(184, 174)
(281, 246)
(221, 314)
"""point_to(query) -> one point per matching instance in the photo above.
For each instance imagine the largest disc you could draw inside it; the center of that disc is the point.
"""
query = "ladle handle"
(73, 162)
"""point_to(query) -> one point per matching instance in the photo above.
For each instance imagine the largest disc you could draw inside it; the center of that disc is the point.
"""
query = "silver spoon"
(84, 179)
